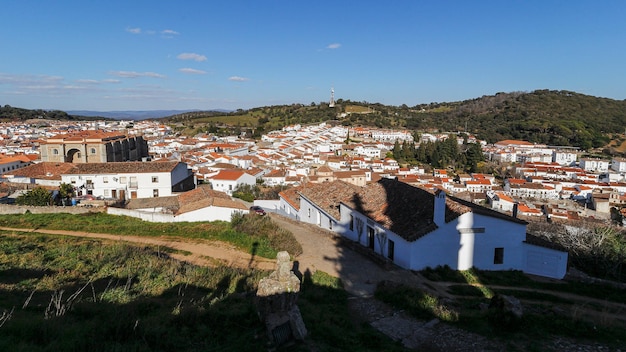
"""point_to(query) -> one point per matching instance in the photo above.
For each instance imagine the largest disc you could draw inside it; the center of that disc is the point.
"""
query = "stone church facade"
(94, 147)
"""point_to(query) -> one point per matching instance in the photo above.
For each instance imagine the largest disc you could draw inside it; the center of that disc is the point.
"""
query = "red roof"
(228, 175)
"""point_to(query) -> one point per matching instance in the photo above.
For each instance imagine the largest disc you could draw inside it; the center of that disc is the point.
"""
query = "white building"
(416, 229)
(618, 164)
(129, 180)
(564, 157)
(227, 181)
(594, 165)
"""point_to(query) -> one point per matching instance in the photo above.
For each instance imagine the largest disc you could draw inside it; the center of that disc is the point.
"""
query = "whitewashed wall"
(205, 214)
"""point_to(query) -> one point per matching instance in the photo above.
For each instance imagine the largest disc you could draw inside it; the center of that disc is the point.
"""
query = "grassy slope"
(68, 294)
(266, 241)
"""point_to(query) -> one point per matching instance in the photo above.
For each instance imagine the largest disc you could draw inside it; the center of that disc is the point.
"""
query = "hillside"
(10, 113)
(543, 116)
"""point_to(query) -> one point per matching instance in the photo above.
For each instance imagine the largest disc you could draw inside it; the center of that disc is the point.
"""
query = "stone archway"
(73, 156)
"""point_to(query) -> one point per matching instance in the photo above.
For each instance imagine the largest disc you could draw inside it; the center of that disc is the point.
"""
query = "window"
(55, 151)
(155, 192)
(107, 193)
(391, 246)
(105, 179)
(351, 223)
(309, 212)
(155, 179)
(230, 187)
(73, 180)
(498, 255)
(93, 150)
(122, 179)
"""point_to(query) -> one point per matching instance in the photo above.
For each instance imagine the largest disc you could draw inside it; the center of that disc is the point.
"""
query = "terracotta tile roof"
(21, 157)
(170, 203)
(291, 196)
(404, 209)
(44, 171)
(228, 175)
(201, 197)
(538, 241)
(125, 167)
(276, 173)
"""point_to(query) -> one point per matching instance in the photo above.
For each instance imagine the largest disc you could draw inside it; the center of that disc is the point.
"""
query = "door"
(391, 247)
(543, 264)
(370, 238)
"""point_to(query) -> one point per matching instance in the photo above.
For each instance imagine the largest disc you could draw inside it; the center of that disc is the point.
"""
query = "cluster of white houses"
(413, 227)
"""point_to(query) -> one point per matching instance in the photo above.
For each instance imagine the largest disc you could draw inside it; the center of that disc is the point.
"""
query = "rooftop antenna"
(331, 104)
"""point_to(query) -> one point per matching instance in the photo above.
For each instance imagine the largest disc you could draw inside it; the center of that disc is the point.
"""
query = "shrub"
(264, 229)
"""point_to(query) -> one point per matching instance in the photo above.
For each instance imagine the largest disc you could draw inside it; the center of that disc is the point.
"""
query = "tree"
(66, 191)
(38, 196)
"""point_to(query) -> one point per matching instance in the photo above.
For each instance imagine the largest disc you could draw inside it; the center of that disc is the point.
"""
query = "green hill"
(10, 113)
(543, 116)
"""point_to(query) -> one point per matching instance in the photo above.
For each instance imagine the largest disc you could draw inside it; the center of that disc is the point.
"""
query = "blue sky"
(148, 55)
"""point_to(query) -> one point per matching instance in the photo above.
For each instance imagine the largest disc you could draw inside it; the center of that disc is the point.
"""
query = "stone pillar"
(276, 300)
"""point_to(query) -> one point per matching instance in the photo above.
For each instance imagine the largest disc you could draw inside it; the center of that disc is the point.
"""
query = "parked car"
(255, 209)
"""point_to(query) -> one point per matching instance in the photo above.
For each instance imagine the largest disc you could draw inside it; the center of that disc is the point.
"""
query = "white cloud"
(133, 74)
(87, 81)
(192, 71)
(169, 32)
(111, 80)
(133, 30)
(25, 80)
(192, 56)
(333, 46)
(238, 79)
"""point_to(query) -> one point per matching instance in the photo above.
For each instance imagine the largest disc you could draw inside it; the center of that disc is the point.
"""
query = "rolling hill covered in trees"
(10, 113)
(543, 116)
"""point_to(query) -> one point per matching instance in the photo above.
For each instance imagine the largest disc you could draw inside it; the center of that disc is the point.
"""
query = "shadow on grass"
(111, 313)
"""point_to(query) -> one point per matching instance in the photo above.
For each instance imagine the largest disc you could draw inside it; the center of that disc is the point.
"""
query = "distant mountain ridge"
(132, 114)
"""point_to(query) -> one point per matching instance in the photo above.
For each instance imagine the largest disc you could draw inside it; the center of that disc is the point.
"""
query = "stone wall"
(21, 209)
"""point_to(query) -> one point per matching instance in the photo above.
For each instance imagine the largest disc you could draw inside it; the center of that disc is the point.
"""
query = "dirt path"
(323, 251)
(197, 251)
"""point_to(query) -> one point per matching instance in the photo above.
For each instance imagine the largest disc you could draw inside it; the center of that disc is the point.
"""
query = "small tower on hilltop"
(331, 104)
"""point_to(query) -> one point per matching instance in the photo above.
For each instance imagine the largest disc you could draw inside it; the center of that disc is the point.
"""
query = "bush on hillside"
(263, 228)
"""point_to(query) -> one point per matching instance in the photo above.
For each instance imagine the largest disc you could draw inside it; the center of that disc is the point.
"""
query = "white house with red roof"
(10, 163)
(227, 181)
(200, 204)
(500, 201)
(416, 229)
(130, 180)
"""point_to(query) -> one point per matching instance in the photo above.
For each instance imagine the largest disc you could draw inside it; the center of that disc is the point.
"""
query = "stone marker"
(276, 300)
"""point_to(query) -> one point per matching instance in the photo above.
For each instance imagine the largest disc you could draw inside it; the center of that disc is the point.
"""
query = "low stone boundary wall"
(21, 209)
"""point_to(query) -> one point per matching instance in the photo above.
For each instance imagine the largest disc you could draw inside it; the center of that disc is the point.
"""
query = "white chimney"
(439, 215)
